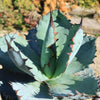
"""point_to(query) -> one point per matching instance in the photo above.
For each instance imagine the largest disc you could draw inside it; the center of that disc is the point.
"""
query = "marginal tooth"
(35, 40)
(77, 92)
(68, 54)
(67, 63)
(12, 39)
(57, 40)
(9, 46)
(28, 68)
(71, 46)
(55, 33)
(28, 40)
(19, 97)
(51, 20)
(16, 91)
(18, 52)
(10, 83)
(81, 21)
(93, 62)
(25, 60)
(95, 56)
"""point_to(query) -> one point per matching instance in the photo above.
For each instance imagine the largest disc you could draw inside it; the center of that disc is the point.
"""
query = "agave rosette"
(52, 63)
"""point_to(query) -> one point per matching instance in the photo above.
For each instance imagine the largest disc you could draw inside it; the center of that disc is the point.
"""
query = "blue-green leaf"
(31, 91)
(5, 78)
(5, 60)
(70, 85)
(62, 26)
(78, 79)
(33, 41)
(26, 60)
(65, 46)
(87, 51)
(42, 28)
(60, 23)
(48, 55)
(84, 57)
(70, 49)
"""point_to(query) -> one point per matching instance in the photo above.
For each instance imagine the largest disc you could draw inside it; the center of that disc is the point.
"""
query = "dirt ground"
(96, 64)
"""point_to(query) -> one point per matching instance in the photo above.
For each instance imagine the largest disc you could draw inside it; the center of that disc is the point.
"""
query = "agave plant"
(51, 64)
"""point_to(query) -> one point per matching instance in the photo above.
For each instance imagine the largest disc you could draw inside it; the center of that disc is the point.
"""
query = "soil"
(96, 64)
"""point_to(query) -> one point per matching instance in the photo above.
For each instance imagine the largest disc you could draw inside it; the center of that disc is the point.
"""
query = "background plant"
(44, 6)
(24, 10)
(13, 13)
(88, 3)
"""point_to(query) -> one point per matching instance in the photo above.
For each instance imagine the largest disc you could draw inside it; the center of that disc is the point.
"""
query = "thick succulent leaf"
(25, 59)
(7, 63)
(33, 42)
(69, 85)
(84, 57)
(87, 51)
(31, 91)
(59, 22)
(5, 78)
(61, 39)
(42, 29)
(62, 26)
(48, 55)
(24, 86)
(26, 49)
(5, 60)
(66, 44)
(71, 47)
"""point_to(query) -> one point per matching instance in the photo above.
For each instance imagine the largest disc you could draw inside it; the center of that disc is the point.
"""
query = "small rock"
(90, 26)
(96, 64)
(1, 67)
(79, 11)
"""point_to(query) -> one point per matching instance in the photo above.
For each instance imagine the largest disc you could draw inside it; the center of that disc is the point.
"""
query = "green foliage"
(97, 35)
(7, 3)
(13, 13)
(51, 64)
(88, 3)
(24, 4)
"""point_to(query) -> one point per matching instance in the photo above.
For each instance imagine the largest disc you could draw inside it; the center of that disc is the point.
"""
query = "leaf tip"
(81, 22)
(9, 46)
